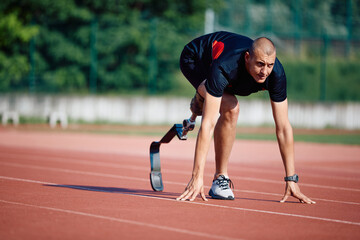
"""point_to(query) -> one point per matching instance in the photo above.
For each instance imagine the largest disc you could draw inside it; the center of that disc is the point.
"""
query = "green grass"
(333, 136)
(349, 139)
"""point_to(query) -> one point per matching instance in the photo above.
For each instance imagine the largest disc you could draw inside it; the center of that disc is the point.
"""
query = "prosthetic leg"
(181, 132)
(155, 174)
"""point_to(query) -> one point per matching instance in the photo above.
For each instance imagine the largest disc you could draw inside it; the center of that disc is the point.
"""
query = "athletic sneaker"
(221, 188)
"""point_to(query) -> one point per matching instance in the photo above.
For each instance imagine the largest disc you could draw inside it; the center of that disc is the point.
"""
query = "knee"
(196, 104)
(231, 112)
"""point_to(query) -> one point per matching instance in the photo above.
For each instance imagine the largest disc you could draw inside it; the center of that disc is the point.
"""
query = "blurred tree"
(57, 36)
(12, 30)
(15, 33)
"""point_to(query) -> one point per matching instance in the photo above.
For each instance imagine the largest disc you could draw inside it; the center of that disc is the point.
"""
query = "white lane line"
(283, 214)
(74, 161)
(142, 179)
(301, 184)
(173, 160)
(203, 204)
(133, 167)
(118, 165)
(121, 220)
(281, 195)
(27, 180)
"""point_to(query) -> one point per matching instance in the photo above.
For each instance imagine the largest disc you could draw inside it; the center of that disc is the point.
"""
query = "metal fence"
(325, 31)
(103, 59)
(296, 23)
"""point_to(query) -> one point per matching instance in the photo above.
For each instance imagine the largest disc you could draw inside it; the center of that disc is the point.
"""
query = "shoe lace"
(225, 183)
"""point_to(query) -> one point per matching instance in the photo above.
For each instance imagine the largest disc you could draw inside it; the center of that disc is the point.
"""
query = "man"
(219, 66)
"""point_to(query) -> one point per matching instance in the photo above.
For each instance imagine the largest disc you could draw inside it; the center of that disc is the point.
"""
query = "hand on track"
(194, 187)
(292, 189)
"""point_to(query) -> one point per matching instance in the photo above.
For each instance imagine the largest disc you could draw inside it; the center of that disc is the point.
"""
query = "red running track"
(86, 186)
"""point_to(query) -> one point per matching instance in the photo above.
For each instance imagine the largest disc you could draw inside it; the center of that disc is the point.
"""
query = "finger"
(182, 195)
(305, 199)
(187, 196)
(286, 196)
(194, 195)
(203, 195)
(308, 200)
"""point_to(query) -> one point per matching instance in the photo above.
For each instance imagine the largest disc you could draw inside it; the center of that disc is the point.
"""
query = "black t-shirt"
(222, 56)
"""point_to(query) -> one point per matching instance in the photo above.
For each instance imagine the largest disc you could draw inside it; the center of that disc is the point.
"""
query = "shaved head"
(260, 59)
(263, 44)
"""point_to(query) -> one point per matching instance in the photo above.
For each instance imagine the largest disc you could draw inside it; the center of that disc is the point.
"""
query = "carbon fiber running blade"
(156, 181)
(155, 174)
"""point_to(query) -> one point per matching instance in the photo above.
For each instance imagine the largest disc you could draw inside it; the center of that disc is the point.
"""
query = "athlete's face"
(259, 64)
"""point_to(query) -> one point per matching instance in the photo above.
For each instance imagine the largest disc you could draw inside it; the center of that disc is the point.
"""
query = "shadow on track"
(126, 191)
(143, 193)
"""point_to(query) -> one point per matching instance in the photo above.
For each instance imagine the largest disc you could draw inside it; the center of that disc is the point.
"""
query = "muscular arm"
(208, 122)
(285, 138)
(284, 135)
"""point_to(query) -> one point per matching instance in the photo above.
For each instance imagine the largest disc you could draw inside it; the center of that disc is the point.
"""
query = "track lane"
(92, 182)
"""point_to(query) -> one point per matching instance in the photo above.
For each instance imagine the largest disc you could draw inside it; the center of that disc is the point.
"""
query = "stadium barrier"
(153, 110)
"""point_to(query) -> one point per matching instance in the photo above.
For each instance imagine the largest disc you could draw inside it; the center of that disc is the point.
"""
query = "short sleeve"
(216, 81)
(277, 83)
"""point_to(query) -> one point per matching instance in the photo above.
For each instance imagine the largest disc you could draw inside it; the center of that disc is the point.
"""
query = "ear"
(247, 56)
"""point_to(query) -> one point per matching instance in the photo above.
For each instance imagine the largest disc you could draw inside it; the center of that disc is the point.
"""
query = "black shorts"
(192, 67)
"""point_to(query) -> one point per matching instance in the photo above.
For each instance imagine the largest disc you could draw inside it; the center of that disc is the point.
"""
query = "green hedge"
(48, 46)
(304, 77)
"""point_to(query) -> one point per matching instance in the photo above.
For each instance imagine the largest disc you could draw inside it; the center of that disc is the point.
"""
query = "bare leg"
(225, 132)
(196, 108)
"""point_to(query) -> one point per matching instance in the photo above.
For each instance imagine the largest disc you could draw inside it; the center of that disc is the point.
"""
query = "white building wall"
(167, 110)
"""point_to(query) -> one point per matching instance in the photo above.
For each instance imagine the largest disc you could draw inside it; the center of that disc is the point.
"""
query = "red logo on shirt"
(217, 49)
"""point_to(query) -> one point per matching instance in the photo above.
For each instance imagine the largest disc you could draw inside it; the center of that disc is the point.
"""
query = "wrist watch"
(293, 178)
